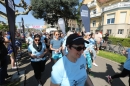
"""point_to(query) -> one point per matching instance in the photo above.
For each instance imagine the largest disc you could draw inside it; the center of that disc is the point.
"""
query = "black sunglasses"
(78, 48)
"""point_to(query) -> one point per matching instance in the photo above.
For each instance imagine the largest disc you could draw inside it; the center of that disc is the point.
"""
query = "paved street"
(98, 73)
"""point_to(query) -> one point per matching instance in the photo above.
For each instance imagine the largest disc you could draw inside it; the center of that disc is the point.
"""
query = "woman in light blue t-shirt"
(56, 46)
(37, 51)
(70, 70)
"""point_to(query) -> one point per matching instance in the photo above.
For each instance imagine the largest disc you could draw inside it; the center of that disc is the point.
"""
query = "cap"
(75, 39)
(87, 33)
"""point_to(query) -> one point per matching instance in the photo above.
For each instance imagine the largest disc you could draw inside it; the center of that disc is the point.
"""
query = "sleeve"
(57, 74)
(51, 42)
(29, 48)
(128, 50)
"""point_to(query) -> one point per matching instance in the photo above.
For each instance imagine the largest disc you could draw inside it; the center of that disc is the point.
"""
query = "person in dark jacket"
(3, 61)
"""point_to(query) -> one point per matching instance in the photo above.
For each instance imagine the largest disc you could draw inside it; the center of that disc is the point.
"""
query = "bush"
(124, 41)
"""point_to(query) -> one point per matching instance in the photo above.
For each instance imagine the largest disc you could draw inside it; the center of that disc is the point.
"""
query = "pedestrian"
(64, 48)
(126, 70)
(3, 61)
(29, 39)
(98, 38)
(37, 50)
(56, 46)
(70, 70)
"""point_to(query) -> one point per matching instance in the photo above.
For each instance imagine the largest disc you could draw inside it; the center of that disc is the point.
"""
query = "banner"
(10, 9)
(85, 16)
(23, 28)
(61, 24)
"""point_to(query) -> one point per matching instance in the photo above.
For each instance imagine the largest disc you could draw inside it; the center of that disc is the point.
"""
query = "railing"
(115, 6)
(95, 15)
(92, 4)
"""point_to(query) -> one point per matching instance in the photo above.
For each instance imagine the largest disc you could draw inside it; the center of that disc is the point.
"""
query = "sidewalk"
(97, 75)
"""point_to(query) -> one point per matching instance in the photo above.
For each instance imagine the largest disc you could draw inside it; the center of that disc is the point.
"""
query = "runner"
(37, 50)
(56, 47)
(70, 70)
(125, 72)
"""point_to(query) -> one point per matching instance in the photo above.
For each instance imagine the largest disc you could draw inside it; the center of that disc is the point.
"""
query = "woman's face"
(76, 51)
(57, 34)
(37, 40)
(93, 36)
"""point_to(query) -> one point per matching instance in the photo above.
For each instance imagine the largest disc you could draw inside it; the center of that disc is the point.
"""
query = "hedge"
(124, 41)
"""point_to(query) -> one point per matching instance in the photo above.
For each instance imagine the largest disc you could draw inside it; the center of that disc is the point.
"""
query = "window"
(120, 31)
(94, 11)
(110, 19)
(109, 31)
(122, 17)
(94, 23)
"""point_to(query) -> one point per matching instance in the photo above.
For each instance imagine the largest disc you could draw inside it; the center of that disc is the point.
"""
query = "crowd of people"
(72, 54)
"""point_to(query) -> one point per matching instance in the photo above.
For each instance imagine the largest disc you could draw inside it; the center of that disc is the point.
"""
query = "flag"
(61, 24)
(10, 9)
(23, 28)
(85, 16)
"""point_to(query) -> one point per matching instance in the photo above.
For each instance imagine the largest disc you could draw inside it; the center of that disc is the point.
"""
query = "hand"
(124, 51)
(39, 56)
(56, 50)
(34, 56)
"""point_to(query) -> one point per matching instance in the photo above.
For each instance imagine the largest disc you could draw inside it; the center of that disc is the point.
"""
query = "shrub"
(124, 41)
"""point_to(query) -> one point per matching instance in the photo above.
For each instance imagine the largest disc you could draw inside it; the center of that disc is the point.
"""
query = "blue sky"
(28, 19)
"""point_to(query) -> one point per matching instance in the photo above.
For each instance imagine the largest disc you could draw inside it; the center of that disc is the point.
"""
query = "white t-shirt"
(29, 40)
(67, 73)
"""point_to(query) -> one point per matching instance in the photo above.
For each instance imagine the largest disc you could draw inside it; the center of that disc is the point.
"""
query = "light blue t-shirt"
(30, 40)
(67, 73)
(35, 52)
(56, 44)
(127, 63)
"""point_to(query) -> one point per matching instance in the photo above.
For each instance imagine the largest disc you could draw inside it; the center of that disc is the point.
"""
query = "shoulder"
(59, 64)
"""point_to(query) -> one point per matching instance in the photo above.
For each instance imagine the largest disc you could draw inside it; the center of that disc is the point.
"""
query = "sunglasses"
(57, 34)
(78, 48)
(37, 40)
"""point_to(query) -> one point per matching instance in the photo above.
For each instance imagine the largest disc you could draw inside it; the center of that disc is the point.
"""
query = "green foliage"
(61, 8)
(4, 27)
(124, 41)
(24, 46)
(112, 56)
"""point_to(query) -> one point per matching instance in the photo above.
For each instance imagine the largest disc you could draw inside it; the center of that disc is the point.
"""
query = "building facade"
(112, 16)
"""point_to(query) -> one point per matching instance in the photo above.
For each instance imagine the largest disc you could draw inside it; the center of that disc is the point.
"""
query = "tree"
(4, 27)
(51, 10)
(22, 4)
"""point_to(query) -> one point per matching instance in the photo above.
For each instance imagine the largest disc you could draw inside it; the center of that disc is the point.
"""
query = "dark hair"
(37, 36)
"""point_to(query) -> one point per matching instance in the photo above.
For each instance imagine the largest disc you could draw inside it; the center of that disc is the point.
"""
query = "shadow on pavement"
(109, 71)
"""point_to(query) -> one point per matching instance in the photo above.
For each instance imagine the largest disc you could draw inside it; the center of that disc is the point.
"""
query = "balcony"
(115, 6)
(95, 15)
(92, 4)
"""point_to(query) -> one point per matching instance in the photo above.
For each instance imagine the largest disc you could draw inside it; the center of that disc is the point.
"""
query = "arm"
(54, 84)
(89, 82)
(43, 53)
(31, 55)
(52, 48)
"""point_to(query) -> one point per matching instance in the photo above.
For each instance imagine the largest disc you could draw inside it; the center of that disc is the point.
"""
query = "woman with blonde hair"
(56, 46)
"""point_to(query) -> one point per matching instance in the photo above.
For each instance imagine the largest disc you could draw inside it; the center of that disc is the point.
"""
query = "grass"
(112, 56)
(24, 46)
